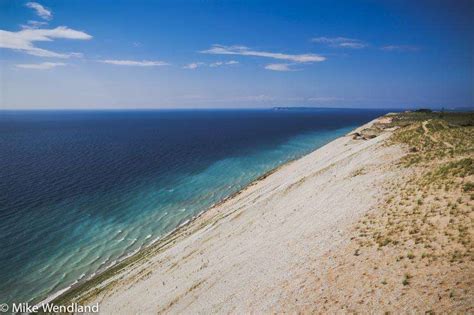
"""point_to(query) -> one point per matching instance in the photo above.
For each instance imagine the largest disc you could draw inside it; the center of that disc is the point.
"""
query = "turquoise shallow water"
(83, 190)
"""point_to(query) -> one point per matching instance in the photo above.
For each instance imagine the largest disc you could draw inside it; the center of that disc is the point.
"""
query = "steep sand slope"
(239, 255)
(414, 252)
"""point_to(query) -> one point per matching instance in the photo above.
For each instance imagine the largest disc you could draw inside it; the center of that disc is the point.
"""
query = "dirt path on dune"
(428, 134)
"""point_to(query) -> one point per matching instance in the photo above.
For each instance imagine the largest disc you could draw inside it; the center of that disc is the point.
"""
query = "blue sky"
(201, 54)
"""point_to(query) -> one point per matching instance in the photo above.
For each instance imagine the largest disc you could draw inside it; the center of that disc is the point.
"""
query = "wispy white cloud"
(137, 63)
(33, 24)
(264, 98)
(193, 65)
(279, 67)
(245, 98)
(400, 48)
(40, 10)
(216, 64)
(24, 40)
(41, 66)
(342, 42)
(270, 98)
(324, 99)
(223, 63)
(253, 98)
(353, 45)
(245, 51)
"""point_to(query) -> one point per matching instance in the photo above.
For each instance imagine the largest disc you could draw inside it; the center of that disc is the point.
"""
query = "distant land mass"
(413, 108)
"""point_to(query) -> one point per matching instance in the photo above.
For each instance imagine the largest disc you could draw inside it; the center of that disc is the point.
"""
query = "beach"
(286, 243)
(90, 202)
(235, 256)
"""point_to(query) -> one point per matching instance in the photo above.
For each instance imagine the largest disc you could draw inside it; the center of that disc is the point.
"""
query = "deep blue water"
(80, 190)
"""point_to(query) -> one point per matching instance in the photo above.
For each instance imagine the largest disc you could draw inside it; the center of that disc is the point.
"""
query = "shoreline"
(77, 292)
(68, 294)
(59, 296)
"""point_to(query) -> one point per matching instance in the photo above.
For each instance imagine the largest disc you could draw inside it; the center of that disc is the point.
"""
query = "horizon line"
(233, 108)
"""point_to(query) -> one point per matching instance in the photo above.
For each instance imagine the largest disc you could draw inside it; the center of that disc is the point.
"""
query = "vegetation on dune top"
(434, 136)
(453, 118)
(425, 224)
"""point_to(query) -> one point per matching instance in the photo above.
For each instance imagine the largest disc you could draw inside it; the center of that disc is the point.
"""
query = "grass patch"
(406, 279)
(468, 187)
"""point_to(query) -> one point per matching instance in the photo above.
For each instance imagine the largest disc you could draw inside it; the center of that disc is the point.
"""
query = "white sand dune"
(237, 256)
